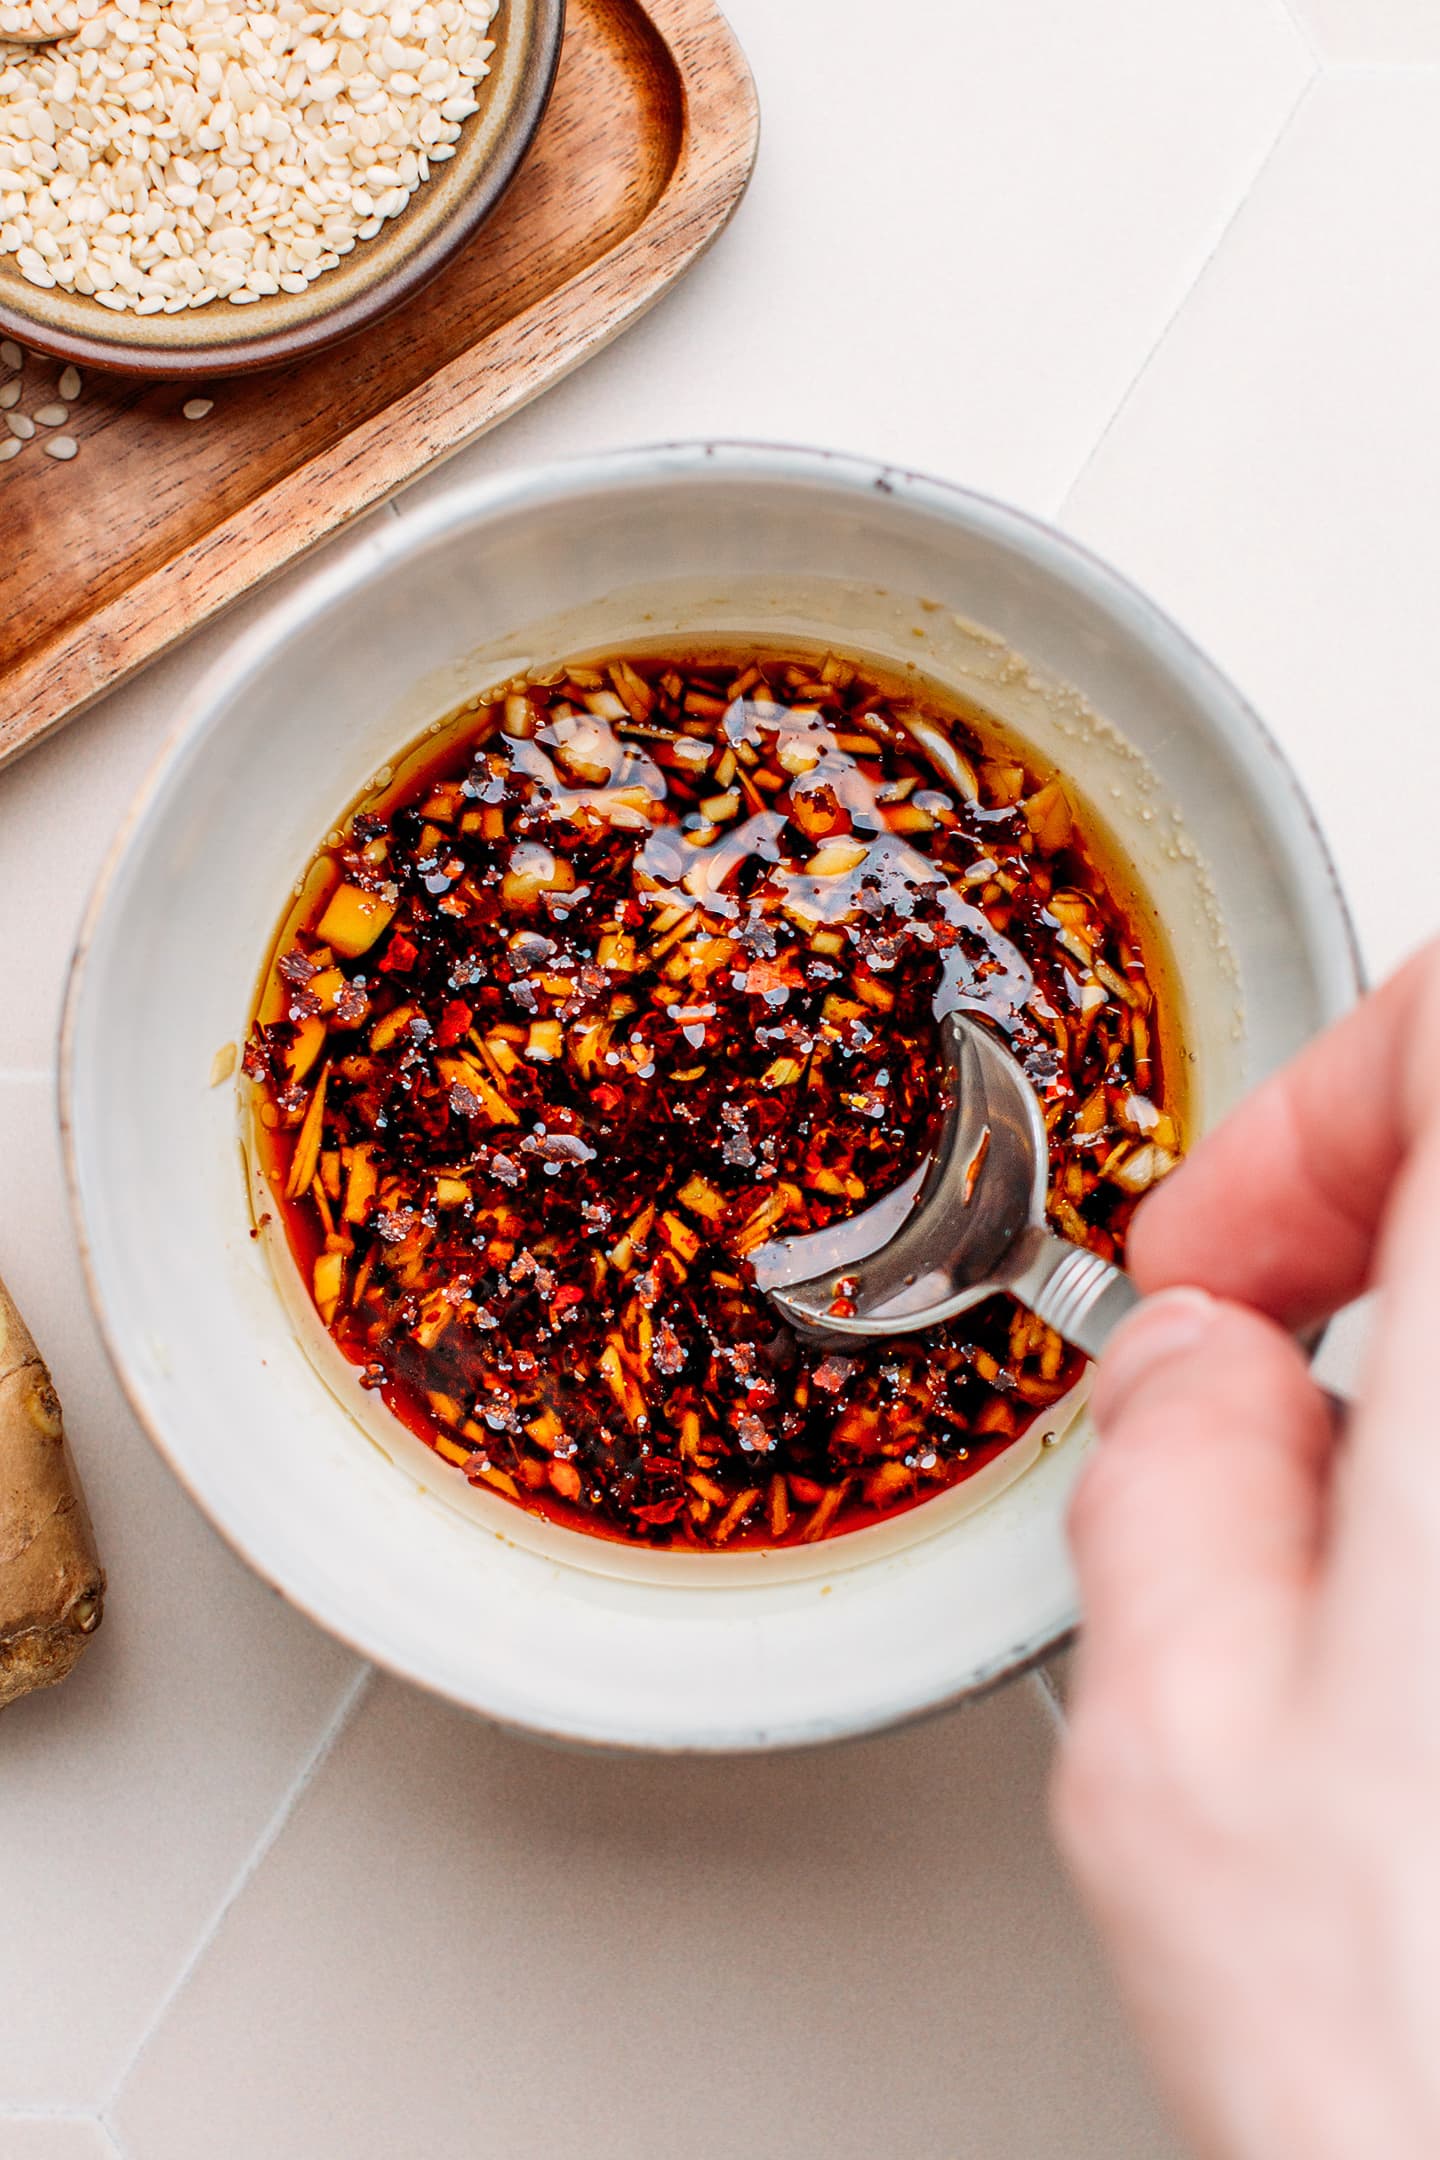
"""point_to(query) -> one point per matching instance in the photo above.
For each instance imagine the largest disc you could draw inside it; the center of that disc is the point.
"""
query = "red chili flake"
(658, 1512)
(400, 954)
(655, 1489)
(454, 1023)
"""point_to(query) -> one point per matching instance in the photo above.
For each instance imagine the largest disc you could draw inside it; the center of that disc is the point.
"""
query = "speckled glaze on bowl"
(375, 277)
(568, 1635)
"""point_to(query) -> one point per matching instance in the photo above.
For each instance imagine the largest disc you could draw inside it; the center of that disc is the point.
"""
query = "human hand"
(1249, 1790)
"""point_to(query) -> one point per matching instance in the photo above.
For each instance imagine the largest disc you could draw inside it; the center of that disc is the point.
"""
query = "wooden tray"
(159, 521)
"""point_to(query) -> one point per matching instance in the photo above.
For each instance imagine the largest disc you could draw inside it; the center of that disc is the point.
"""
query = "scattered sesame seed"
(11, 353)
(20, 425)
(9, 395)
(61, 446)
(9, 448)
(52, 415)
(69, 384)
(195, 408)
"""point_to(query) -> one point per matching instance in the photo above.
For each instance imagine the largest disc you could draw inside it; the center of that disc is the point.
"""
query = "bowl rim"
(246, 355)
(465, 503)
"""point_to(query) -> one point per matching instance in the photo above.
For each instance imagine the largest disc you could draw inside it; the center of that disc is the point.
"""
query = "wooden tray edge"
(542, 345)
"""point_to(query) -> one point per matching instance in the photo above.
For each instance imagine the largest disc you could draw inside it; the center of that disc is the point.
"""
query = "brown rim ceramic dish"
(378, 276)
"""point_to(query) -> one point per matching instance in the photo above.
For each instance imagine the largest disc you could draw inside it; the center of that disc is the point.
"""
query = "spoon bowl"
(972, 1223)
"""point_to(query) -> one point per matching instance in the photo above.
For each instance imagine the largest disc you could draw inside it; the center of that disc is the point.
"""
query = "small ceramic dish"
(225, 1363)
(376, 277)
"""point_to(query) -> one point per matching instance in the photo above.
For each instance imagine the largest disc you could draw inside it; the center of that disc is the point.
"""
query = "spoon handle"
(1072, 1290)
(1085, 1299)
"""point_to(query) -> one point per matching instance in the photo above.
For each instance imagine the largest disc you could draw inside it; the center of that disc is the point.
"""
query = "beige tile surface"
(975, 232)
(1274, 478)
(1374, 32)
(40, 2137)
(464, 1943)
(131, 1797)
(59, 809)
(968, 224)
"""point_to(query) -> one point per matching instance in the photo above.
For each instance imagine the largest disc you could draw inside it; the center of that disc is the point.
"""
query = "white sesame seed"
(9, 395)
(20, 425)
(69, 384)
(11, 353)
(52, 415)
(195, 408)
(9, 448)
(61, 446)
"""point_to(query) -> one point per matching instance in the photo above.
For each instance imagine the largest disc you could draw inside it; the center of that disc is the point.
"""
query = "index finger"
(1280, 1206)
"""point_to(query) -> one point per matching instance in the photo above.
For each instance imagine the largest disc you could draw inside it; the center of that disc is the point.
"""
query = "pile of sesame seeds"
(166, 156)
(44, 18)
(18, 427)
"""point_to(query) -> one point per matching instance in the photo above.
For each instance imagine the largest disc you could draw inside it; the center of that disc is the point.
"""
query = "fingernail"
(1165, 1325)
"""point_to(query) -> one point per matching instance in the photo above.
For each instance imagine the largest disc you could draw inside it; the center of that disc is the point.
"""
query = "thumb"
(1197, 1524)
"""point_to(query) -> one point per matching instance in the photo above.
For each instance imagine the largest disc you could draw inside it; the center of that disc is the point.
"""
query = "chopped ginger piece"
(1049, 816)
(702, 1199)
(353, 920)
(329, 1280)
(360, 1185)
(307, 1146)
(309, 1041)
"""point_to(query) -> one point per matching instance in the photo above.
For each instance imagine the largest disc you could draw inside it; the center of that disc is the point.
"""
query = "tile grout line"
(112, 2137)
(1057, 514)
(250, 1867)
(1287, 9)
(44, 2111)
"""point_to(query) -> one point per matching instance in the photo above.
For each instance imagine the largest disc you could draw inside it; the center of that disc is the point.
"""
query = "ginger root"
(52, 1586)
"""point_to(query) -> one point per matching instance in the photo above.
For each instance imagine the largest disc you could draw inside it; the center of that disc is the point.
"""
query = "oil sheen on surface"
(631, 968)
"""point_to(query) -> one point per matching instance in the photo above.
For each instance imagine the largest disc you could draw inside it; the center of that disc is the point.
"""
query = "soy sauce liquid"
(663, 939)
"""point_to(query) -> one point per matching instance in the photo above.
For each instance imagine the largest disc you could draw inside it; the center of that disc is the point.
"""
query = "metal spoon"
(969, 1223)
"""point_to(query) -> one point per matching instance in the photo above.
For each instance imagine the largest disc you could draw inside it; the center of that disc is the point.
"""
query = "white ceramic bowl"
(366, 1530)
